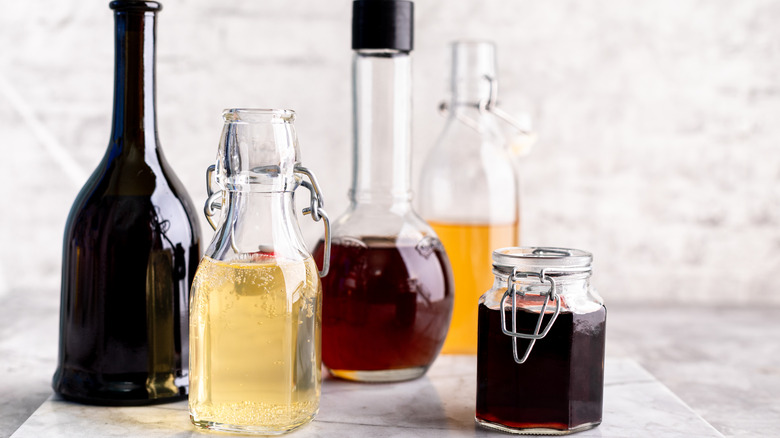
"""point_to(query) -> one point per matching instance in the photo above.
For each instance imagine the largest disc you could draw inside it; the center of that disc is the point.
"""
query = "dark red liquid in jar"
(561, 384)
(386, 304)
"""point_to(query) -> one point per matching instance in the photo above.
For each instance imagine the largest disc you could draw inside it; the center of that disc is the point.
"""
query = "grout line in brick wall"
(48, 141)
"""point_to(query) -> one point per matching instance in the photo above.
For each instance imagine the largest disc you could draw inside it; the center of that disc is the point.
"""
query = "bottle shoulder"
(135, 172)
(362, 221)
(119, 194)
(468, 177)
(460, 148)
(467, 174)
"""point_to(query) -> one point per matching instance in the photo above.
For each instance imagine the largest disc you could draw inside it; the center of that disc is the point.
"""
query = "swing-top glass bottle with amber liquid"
(388, 297)
(469, 185)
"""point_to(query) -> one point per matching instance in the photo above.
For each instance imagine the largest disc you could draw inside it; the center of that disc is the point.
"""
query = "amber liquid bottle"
(387, 300)
(130, 250)
(468, 188)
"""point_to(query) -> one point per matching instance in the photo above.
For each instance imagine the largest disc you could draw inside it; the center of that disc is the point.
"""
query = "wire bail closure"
(512, 292)
(489, 106)
(546, 264)
(317, 212)
(213, 203)
(315, 209)
(544, 275)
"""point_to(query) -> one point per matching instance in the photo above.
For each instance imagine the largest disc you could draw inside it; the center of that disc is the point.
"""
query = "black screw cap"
(135, 6)
(383, 24)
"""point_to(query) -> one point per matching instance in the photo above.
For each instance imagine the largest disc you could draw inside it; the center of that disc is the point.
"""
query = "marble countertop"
(441, 404)
(722, 363)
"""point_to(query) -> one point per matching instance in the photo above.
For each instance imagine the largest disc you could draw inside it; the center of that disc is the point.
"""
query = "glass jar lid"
(544, 264)
(538, 258)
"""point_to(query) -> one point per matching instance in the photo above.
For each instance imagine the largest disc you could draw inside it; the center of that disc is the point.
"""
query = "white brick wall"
(657, 121)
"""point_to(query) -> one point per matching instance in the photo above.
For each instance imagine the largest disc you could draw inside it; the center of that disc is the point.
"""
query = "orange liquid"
(470, 250)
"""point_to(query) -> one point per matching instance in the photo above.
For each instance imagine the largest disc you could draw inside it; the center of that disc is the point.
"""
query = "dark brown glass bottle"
(131, 248)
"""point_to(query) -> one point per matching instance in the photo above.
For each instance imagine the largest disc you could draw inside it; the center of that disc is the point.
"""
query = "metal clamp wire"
(317, 212)
(489, 105)
(315, 209)
(212, 202)
(512, 291)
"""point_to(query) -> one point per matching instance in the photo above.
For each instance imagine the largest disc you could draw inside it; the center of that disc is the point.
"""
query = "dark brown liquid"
(130, 249)
(128, 263)
(561, 384)
(386, 305)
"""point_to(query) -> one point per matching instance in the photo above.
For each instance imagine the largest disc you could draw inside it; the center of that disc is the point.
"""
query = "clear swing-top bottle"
(255, 313)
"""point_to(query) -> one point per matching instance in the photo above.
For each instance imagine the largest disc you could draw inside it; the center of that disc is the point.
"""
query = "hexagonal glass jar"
(540, 359)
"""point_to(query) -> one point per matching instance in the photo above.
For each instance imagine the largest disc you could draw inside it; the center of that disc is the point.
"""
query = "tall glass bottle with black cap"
(131, 248)
(387, 300)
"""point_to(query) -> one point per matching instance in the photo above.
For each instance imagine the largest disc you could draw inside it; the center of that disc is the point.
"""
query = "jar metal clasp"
(512, 291)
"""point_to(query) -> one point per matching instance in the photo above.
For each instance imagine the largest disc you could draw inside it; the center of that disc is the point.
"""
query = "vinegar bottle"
(255, 316)
(468, 188)
(130, 250)
(388, 298)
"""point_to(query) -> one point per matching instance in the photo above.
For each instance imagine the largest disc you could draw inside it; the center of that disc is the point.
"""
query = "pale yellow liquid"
(255, 345)
(470, 250)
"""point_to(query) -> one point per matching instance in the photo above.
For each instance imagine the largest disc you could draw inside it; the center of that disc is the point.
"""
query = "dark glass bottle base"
(128, 389)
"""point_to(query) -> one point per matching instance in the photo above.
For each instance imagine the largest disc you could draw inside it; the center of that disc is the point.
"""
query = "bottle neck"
(258, 223)
(134, 125)
(469, 92)
(473, 73)
(382, 125)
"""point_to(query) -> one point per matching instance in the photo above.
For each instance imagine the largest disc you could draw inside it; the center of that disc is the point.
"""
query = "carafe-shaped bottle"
(468, 188)
(388, 298)
(255, 315)
(130, 249)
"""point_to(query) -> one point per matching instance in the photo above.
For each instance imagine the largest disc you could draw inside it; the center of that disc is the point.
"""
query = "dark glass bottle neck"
(135, 121)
